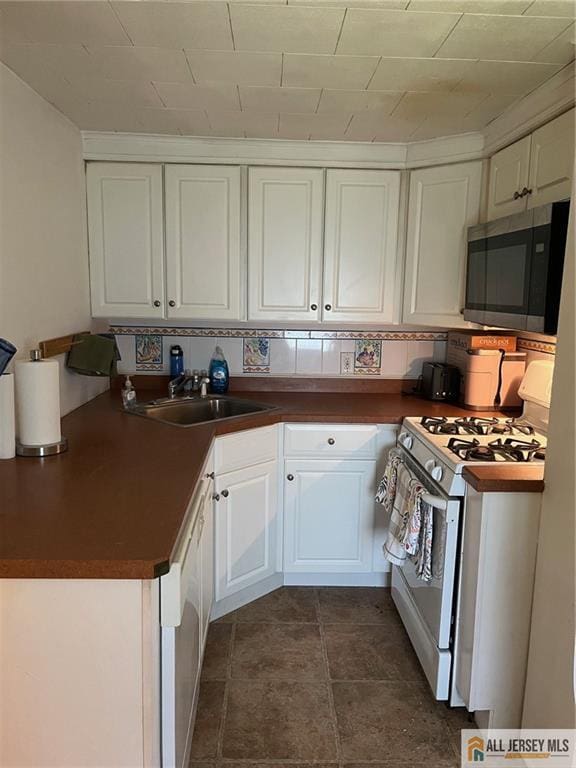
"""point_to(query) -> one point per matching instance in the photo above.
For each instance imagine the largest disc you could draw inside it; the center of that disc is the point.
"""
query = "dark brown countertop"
(113, 505)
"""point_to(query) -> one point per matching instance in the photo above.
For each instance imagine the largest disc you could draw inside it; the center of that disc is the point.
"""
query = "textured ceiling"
(357, 70)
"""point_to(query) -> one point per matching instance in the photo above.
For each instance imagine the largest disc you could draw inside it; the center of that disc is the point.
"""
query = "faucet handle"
(204, 386)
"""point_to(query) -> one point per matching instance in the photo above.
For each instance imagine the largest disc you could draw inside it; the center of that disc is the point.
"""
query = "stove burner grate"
(509, 449)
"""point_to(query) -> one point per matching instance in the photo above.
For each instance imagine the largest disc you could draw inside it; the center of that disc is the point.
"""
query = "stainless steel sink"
(188, 411)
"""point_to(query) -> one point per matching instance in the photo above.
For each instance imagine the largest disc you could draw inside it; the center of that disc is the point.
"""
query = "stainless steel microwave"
(515, 266)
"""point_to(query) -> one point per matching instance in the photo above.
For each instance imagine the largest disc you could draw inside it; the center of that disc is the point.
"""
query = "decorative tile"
(536, 346)
(256, 357)
(367, 356)
(148, 352)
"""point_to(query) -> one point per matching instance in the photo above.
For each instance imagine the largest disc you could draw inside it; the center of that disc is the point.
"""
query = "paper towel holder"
(40, 451)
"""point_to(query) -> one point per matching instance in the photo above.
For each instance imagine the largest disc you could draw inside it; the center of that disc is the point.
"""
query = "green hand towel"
(93, 355)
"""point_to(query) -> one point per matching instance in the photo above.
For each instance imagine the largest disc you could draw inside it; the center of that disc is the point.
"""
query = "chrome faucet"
(189, 381)
(179, 384)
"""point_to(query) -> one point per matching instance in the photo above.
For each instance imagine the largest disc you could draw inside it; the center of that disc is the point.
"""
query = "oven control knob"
(433, 469)
(406, 440)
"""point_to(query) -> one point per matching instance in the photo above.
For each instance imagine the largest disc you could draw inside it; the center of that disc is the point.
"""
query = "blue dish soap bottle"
(219, 374)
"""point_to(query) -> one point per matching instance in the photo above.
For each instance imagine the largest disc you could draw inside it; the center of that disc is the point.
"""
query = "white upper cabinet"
(534, 171)
(285, 218)
(126, 239)
(509, 171)
(444, 202)
(204, 270)
(360, 256)
(552, 161)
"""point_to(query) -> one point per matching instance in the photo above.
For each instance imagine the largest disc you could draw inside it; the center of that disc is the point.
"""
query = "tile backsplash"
(392, 354)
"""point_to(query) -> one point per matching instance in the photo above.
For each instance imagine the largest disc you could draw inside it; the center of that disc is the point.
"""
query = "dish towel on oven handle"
(410, 528)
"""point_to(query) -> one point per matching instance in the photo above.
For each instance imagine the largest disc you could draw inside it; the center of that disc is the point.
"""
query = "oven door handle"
(435, 501)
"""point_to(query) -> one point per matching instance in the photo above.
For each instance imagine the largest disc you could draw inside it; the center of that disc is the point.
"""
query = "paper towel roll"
(37, 402)
(7, 417)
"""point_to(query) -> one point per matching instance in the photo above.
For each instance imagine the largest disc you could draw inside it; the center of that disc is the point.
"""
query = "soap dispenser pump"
(128, 394)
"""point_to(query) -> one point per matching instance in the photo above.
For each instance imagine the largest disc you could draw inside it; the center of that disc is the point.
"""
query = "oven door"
(499, 271)
(426, 608)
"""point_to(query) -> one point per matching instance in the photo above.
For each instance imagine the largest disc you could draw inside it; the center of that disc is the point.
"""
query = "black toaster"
(440, 381)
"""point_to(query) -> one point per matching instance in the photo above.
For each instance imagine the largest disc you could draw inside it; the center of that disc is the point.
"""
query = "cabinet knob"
(157, 303)
(290, 477)
(216, 496)
(328, 307)
(314, 307)
(171, 303)
(331, 441)
(210, 475)
(525, 192)
(225, 494)
(517, 195)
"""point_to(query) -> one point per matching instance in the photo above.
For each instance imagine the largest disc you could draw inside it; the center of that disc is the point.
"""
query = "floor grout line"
(224, 710)
(329, 682)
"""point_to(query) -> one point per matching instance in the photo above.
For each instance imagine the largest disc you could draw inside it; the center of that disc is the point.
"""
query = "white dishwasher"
(185, 605)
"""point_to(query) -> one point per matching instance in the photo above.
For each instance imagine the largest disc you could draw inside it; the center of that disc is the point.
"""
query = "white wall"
(43, 254)
(549, 698)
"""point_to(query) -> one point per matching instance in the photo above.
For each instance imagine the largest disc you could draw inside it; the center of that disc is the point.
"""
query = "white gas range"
(436, 450)
(443, 446)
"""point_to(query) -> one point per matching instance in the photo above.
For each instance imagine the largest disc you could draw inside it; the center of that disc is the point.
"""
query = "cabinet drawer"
(352, 441)
(245, 449)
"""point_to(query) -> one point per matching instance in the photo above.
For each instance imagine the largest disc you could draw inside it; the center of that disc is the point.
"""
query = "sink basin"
(186, 412)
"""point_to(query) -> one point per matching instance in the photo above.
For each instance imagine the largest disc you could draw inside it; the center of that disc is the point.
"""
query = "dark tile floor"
(324, 676)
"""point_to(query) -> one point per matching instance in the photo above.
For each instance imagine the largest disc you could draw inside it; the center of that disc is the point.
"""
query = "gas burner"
(476, 425)
(438, 425)
(512, 449)
(509, 449)
(519, 427)
(464, 448)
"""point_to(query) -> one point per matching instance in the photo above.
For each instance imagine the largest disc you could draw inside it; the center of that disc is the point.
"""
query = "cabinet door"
(443, 203)
(552, 161)
(285, 220)
(508, 177)
(246, 531)
(207, 561)
(328, 516)
(126, 239)
(205, 278)
(361, 231)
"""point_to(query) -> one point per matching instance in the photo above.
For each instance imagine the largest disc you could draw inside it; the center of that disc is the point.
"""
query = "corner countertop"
(113, 504)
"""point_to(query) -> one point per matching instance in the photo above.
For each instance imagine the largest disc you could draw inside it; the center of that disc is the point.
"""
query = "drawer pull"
(331, 441)
(290, 477)
(225, 494)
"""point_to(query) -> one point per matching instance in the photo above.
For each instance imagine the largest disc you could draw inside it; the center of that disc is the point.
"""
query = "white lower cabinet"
(328, 516)
(498, 560)
(246, 533)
